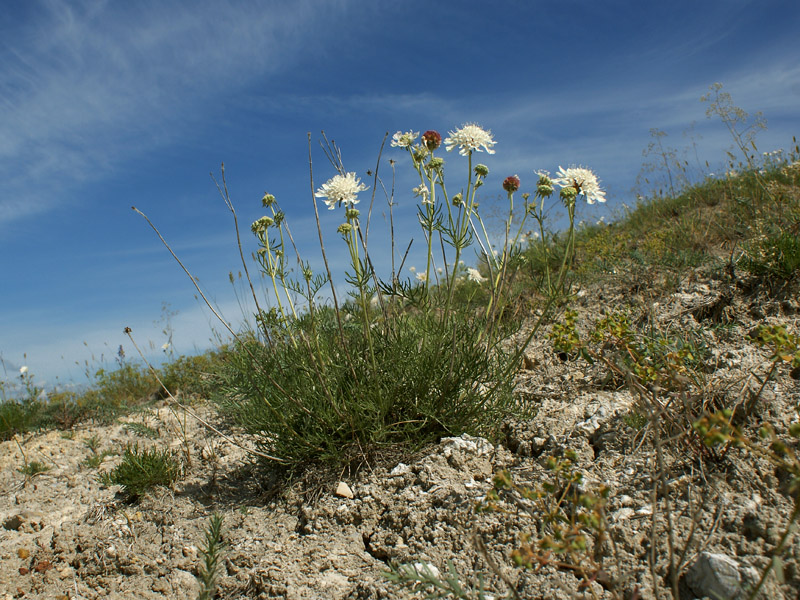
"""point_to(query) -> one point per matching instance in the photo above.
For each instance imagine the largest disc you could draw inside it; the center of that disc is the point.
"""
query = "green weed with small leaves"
(717, 430)
(142, 430)
(33, 468)
(572, 531)
(212, 554)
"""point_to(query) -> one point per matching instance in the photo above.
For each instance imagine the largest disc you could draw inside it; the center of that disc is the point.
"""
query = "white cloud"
(88, 85)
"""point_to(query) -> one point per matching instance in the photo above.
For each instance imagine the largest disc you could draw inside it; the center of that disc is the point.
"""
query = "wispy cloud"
(88, 85)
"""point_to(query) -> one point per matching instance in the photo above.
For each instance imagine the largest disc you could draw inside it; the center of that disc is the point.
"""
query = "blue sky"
(106, 105)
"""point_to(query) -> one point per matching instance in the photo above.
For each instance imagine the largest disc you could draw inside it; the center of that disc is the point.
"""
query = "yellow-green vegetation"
(111, 394)
(747, 221)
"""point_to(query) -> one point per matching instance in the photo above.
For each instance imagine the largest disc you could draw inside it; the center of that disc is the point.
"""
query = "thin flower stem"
(337, 312)
(463, 223)
(391, 228)
(374, 186)
(223, 191)
(282, 266)
(350, 238)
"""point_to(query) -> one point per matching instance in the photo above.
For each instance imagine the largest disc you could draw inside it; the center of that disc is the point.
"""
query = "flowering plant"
(398, 359)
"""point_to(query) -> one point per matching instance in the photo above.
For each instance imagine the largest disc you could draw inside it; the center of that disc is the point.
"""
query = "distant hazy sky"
(106, 104)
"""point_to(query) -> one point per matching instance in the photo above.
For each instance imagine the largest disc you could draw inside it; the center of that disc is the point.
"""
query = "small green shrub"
(572, 530)
(128, 384)
(17, 417)
(141, 470)
(33, 468)
(96, 459)
(142, 430)
(63, 410)
(421, 391)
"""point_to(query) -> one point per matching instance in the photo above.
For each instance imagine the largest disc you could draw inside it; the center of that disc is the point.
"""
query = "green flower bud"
(481, 170)
(268, 200)
(352, 213)
(457, 200)
(568, 194)
(544, 186)
(344, 228)
(436, 163)
(261, 225)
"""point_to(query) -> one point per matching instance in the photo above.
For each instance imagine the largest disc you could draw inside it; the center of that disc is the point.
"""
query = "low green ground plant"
(142, 430)
(211, 552)
(33, 468)
(142, 469)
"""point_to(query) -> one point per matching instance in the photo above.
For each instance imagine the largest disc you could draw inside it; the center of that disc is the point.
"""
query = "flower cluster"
(404, 140)
(261, 224)
(341, 189)
(583, 181)
(475, 275)
(470, 138)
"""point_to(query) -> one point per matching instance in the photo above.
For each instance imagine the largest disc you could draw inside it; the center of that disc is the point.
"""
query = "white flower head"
(470, 138)
(404, 140)
(422, 276)
(165, 347)
(22, 370)
(422, 191)
(341, 189)
(475, 275)
(583, 181)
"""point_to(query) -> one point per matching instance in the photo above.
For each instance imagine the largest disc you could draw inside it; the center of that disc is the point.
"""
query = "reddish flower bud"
(511, 184)
(432, 139)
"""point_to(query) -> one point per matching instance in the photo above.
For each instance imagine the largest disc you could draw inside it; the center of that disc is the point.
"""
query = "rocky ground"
(64, 535)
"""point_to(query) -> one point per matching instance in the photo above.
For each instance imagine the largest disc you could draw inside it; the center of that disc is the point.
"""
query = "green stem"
(462, 225)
